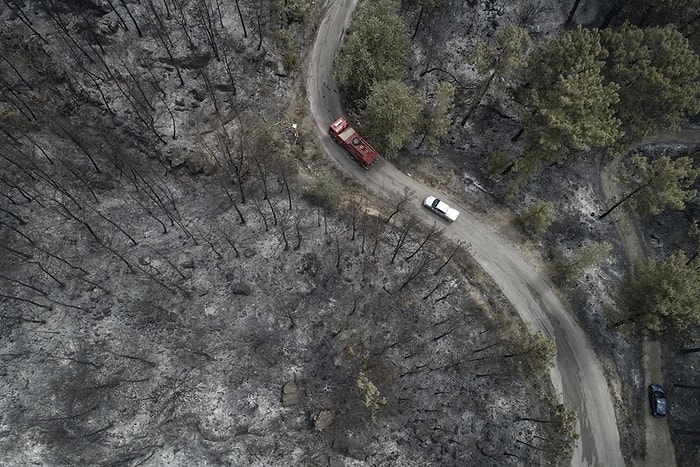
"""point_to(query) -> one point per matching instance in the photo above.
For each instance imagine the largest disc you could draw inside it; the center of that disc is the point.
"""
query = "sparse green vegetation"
(434, 122)
(533, 353)
(537, 217)
(370, 394)
(295, 11)
(559, 430)
(589, 255)
(290, 55)
(496, 163)
(328, 191)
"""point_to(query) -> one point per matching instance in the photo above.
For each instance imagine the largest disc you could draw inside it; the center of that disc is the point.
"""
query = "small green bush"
(496, 164)
(327, 191)
(537, 217)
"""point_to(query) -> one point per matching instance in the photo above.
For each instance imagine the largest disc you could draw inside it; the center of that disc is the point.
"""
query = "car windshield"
(661, 405)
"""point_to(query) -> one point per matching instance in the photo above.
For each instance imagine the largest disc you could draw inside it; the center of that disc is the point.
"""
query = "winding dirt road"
(576, 375)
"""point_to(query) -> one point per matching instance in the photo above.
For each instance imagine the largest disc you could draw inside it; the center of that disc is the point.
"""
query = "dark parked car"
(657, 400)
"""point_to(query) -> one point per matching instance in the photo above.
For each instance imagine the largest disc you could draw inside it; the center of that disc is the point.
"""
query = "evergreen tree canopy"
(537, 217)
(657, 184)
(506, 55)
(657, 74)
(435, 122)
(533, 352)
(498, 62)
(563, 434)
(568, 106)
(390, 116)
(661, 296)
(665, 182)
(379, 49)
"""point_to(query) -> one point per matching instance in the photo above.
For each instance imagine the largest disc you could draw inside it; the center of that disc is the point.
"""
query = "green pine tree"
(661, 297)
(657, 74)
(390, 116)
(567, 105)
(498, 62)
(435, 122)
(537, 217)
(378, 49)
(657, 184)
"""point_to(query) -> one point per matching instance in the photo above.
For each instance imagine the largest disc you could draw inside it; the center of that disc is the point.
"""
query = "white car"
(441, 208)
